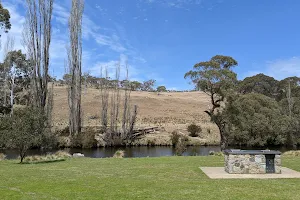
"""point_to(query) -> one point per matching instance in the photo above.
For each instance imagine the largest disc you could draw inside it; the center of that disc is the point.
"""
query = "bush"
(119, 154)
(23, 130)
(58, 156)
(85, 139)
(194, 130)
(2, 156)
(175, 137)
(63, 154)
(180, 142)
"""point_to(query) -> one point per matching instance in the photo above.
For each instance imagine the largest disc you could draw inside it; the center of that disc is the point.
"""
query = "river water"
(141, 151)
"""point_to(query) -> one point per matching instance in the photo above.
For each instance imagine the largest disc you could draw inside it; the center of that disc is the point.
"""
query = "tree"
(4, 19)
(148, 85)
(161, 89)
(17, 71)
(259, 83)
(37, 39)
(135, 85)
(74, 65)
(216, 79)
(67, 78)
(23, 130)
(9, 45)
(256, 120)
(289, 84)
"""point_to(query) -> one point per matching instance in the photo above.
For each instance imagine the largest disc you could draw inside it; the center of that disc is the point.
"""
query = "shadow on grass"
(43, 161)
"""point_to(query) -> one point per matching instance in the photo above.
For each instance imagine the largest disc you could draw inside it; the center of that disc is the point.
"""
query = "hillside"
(170, 111)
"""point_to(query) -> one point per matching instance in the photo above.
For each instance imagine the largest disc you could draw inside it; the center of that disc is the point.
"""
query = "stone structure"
(252, 161)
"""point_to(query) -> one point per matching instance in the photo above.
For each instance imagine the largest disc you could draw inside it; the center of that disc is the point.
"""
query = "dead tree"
(104, 91)
(74, 66)
(122, 119)
(37, 38)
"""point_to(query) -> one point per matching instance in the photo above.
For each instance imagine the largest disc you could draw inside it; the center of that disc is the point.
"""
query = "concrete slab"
(219, 173)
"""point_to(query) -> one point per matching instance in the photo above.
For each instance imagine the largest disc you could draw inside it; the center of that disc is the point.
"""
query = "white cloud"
(114, 39)
(280, 68)
(60, 14)
(111, 66)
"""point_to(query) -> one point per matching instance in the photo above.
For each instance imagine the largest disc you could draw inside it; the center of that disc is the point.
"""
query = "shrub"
(58, 156)
(2, 156)
(85, 139)
(23, 130)
(180, 142)
(49, 140)
(119, 154)
(175, 135)
(194, 130)
(63, 154)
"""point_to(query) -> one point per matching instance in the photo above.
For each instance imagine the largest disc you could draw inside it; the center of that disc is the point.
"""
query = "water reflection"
(143, 151)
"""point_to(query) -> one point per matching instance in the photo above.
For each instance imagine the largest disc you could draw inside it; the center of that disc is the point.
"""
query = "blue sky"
(163, 39)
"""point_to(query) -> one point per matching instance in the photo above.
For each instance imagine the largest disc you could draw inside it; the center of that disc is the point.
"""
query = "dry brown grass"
(174, 110)
(2, 156)
(292, 153)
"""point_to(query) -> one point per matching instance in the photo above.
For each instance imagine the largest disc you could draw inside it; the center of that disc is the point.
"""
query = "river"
(131, 152)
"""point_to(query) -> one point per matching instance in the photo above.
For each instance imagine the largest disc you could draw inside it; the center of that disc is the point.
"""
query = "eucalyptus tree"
(5, 24)
(216, 79)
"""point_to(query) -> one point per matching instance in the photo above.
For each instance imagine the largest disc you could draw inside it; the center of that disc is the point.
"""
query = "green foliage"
(257, 120)
(58, 156)
(148, 85)
(175, 135)
(119, 154)
(4, 19)
(215, 78)
(135, 85)
(85, 139)
(179, 141)
(259, 83)
(283, 86)
(194, 130)
(67, 78)
(161, 89)
(23, 130)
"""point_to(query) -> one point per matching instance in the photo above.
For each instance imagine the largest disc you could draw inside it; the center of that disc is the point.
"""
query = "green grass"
(137, 178)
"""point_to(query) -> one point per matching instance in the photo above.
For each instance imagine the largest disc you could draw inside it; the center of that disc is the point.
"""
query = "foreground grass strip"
(137, 178)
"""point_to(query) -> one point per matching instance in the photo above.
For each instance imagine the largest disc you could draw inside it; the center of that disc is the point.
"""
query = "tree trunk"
(223, 136)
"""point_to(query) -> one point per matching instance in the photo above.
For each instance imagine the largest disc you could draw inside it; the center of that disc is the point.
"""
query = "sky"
(163, 39)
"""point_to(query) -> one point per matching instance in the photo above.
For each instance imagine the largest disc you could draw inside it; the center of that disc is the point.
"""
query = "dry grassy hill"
(170, 111)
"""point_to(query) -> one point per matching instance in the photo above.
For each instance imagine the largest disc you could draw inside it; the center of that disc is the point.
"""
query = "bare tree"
(122, 119)
(104, 90)
(8, 47)
(74, 65)
(37, 38)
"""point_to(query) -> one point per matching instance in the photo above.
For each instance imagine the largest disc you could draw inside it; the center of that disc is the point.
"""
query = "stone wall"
(249, 164)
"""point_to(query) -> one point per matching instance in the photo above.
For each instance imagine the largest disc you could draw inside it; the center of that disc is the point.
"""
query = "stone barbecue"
(252, 161)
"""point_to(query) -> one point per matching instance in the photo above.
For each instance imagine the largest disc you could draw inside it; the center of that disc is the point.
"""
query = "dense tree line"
(93, 81)
(256, 111)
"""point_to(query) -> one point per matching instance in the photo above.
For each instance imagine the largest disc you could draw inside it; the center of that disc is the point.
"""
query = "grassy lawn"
(137, 178)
